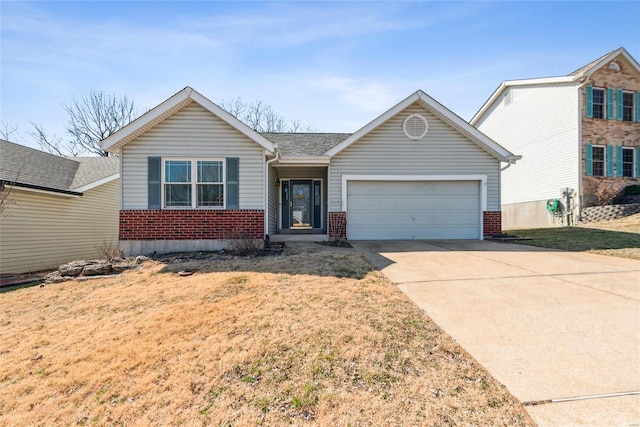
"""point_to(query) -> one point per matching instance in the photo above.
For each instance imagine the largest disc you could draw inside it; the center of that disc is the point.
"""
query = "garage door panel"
(413, 210)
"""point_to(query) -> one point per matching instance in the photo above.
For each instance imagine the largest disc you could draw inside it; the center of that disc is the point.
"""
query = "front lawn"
(299, 339)
(618, 238)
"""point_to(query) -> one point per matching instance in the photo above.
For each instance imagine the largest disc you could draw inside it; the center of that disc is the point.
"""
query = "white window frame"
(604, 102)
(194, 182)
(633, 106)
(633, 162)
(604, 160)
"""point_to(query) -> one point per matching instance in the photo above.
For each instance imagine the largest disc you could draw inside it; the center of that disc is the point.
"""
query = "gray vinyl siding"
(541, 123)
(40, 231)
(387, 151)
(302, 172)
(192, 133)
(273, 200)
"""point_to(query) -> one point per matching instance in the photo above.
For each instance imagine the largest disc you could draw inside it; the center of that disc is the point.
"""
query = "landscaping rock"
(73, 268)
(56, 277)
(141, 258)
(96, 269)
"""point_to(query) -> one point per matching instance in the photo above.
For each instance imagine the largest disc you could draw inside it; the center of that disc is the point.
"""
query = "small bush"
(632, 190)
(109, 250)
(241, 242)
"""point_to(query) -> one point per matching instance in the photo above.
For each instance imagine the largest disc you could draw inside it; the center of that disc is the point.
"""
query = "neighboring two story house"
(580, 131)
(192, 176)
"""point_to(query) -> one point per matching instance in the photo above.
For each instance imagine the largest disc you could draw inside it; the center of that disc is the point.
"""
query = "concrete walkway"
(547, 324)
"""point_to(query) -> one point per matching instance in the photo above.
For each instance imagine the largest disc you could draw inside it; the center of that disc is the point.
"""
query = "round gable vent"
(415, 126)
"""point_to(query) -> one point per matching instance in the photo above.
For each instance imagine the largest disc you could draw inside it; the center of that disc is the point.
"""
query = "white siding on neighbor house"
(39, 231)
(193, 132)
(387, 151)
(541, 123)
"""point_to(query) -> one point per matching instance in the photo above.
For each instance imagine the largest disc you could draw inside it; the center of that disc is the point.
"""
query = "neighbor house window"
(181, 184)
(598, 103)
(598, 161)
(627, 106)
(627, 162)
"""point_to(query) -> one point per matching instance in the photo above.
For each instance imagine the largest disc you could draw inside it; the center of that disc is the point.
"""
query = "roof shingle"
(24, 165)
(305, 144)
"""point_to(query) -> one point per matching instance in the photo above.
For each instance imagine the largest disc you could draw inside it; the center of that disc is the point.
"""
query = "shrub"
(632, 190)
(241, 242)
(109, 250)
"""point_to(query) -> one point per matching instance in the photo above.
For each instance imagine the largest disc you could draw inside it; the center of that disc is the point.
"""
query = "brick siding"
(606, 131)
(190, 224)
(491, 223)
(337, 225)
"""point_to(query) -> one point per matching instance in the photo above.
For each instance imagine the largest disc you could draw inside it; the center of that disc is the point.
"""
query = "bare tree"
(96, 116)
(261, 117)
(6, 192)
(91, 118)
(7, 131)
(53, 144)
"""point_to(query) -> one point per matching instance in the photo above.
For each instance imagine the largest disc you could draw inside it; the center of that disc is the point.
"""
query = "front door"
(301, 204)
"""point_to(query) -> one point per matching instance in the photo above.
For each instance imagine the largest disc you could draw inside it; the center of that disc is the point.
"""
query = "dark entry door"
(300, 204)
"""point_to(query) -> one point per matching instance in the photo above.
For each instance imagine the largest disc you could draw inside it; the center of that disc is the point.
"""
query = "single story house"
(579, 135)
(54, 209)
(193, 175)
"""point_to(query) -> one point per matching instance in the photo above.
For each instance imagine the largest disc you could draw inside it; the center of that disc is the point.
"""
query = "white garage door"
(401, 210)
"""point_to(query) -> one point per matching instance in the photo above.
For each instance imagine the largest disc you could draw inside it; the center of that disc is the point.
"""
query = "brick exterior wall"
(609, 132)
(337, 225)
(491, 223)
(190, 224)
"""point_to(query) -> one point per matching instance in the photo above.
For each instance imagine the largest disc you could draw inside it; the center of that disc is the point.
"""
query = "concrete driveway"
(547, 324)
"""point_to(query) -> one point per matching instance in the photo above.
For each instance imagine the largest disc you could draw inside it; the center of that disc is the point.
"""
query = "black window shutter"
(233, 183)
(154, 178)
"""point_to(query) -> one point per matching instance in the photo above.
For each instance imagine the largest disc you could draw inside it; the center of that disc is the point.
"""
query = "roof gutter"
(40, 188)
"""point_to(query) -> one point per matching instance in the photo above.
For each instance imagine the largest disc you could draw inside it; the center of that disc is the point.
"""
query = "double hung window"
(598, 103)
(627, 162)
(202, 189)
(627, 106)
(598, 161)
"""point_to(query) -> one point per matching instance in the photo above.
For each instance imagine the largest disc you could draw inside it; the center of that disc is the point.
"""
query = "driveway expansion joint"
(588, 397)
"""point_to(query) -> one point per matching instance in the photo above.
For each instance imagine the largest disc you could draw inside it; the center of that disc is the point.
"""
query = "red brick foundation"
(491, 223)
(190, 224)
(337, 225)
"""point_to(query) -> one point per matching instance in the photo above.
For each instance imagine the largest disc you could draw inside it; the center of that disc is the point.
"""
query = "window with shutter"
(193, 183)
(598, 160)
(598, 104)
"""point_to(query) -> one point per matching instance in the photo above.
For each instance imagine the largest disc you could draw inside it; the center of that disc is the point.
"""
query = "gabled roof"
(594, 66)
(575, 76)
(305, 144)
(442, 113)
(30, 168)
(171, 106)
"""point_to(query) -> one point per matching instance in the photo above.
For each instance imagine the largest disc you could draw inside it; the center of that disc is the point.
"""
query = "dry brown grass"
(238, 348)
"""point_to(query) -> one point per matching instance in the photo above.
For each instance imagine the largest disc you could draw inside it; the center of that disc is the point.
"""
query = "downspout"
(266, 184)
(511, 160)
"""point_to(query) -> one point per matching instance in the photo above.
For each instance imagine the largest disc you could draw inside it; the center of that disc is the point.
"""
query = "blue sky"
(334, 65)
